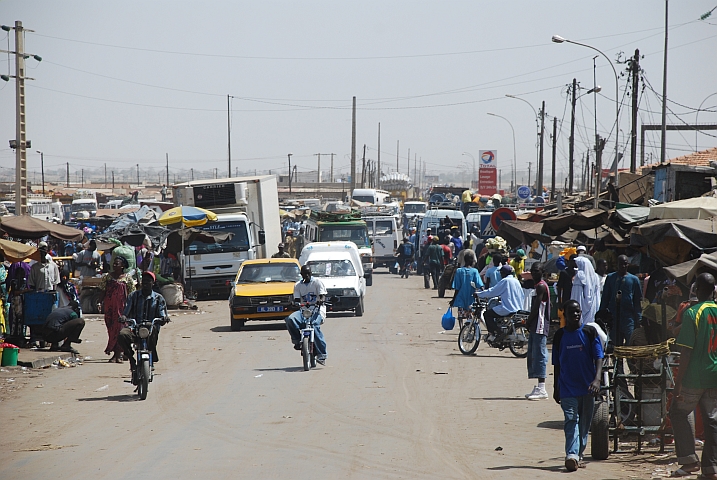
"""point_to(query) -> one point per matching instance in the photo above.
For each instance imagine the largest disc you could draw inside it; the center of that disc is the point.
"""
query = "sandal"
(681, 472)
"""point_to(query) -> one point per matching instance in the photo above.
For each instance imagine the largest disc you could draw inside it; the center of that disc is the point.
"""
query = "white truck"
(247, 207)
(83, 201)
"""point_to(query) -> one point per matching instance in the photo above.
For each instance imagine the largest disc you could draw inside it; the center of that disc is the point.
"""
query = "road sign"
(500, 215)
(524, 192)
(487, 172)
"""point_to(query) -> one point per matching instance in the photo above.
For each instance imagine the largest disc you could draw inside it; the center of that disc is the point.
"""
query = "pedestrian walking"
(621, 296)
(586, 288)
(538, 326)
(434, 256)
(577, 359)
(696, 382)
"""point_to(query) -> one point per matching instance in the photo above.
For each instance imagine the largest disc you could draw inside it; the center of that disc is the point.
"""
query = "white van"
(338, 265)
(385, 235)
(370, 195)
(433, 218)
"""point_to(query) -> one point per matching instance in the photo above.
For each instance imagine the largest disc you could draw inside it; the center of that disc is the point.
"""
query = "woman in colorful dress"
(116, 287)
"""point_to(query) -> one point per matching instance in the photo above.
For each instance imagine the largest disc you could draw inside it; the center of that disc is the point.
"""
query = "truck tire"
(369, 280)
(359, 308)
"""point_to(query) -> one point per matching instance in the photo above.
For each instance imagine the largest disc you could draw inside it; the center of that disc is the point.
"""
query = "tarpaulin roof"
(632, 215)
(687, 271)
(698, 208)
(17, 252)
(174, 240)
(144, 216)
(586, 220)
(519, 232)
(671, 241)
(28, 227)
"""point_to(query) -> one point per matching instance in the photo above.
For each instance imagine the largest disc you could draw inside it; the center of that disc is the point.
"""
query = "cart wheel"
(600, 432)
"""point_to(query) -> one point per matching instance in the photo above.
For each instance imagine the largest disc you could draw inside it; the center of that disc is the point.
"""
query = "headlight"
(143, 332)
(349, 292)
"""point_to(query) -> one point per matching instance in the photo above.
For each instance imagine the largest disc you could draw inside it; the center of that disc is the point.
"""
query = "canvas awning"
(586, 220)
(17, 252)
(697, 208)
(671, 241)
(518, 232)
(686, 272)
(30, 228)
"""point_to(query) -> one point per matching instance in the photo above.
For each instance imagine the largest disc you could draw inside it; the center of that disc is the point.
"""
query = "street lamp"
(537, 125)
(290, 172)
(42, 167)
(515, 162)
(559, 39)
(474, 166)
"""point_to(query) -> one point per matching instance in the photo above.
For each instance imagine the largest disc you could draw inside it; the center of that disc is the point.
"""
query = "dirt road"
(396, 400)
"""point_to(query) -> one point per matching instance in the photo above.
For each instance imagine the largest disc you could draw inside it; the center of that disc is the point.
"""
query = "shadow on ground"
(111, 398)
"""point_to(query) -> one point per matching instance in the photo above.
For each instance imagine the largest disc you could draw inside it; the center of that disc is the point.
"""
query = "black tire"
(369, 280)
(469, 338)
(305, 353)
(313, 360)
(600, 431)
(143, 383)
(237, 324)
(359, 308)
(519, 349)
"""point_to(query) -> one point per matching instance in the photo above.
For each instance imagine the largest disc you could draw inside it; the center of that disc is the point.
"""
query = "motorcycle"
(308, 350)
(513, 331)
(141, 332)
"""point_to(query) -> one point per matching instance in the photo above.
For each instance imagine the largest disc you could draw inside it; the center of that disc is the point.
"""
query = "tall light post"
(515, 162)
(537, 126)
(559, 39)
(474, 167)
(42, 167)
(290, 154)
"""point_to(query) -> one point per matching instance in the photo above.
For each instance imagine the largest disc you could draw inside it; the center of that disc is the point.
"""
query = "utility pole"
(192, 173)
(635, 71)
(290, 172)
(353, 147)
(555, 146)
(378, 175)
(113, 181)
(105, 184)
(529, 165)
(408, 164)
(138, 174)
(167, 167)
(229, 136)
(539, 180)
(331, 172)
(397, 150)
(572, 139)
(664, 92)
(598, 170)
(68, 174)
(83, 178)
(318, 168)
(415, 169)
(42, 168)
(363, 167)
(582, 173)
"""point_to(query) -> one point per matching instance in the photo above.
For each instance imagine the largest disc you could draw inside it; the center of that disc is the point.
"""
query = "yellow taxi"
(263, 290)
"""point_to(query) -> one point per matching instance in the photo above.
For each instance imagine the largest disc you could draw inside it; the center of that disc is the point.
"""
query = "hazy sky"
(126, 82)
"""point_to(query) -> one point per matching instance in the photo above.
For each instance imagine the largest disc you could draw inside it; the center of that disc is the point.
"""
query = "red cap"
(151, 274)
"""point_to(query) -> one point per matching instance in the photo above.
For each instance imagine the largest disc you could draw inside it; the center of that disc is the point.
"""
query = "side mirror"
(262, 237)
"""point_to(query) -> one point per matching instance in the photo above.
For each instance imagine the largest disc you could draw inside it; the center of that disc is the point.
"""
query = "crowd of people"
(602, 299)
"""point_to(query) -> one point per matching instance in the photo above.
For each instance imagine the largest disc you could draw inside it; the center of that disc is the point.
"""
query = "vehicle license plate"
(269, 309)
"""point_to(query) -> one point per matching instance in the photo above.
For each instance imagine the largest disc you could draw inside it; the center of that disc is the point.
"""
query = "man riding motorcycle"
(142, 305)
(511, 299)
(312, 291)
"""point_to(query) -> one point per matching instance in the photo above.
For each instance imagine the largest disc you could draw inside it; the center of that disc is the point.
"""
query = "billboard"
(488, 172)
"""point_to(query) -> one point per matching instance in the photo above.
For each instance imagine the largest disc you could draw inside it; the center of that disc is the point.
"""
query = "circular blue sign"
(524, 192)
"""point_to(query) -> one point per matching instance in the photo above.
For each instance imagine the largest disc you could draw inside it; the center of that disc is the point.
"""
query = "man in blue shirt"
(405, 256)
(622, 295)
(492, 275)
(463, 290)
(577, 358)
(511, 296)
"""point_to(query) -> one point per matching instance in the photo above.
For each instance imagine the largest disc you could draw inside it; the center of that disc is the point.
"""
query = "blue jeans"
(537, 355)
(578, 416)
(295, 322)
(681, 408)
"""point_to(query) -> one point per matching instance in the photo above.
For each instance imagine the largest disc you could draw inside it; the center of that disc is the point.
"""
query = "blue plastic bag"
(448, 321)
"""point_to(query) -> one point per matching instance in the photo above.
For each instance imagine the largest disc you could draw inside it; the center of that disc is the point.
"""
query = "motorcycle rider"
(405, 255)
(309, 290)
(511, 299)
(143, 305)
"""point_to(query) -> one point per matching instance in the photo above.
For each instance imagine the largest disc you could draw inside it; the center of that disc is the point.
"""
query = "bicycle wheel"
(305, 353)
(469, 338)
(519, 348)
